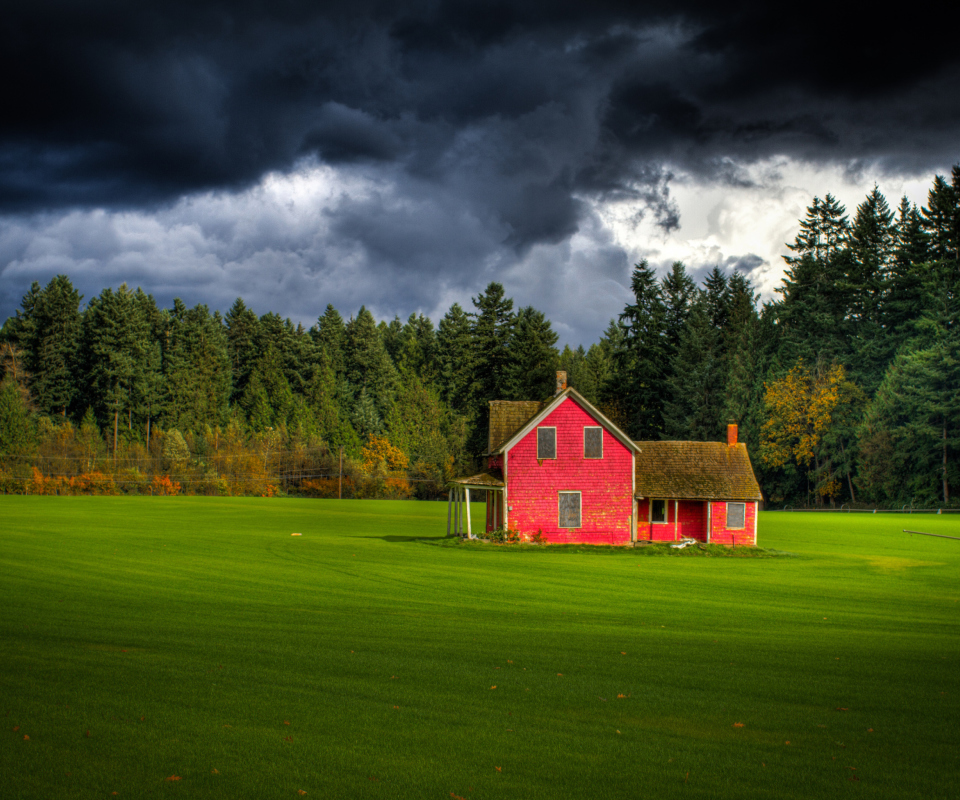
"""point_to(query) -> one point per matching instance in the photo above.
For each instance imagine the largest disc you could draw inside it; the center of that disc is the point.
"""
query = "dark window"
(546, 442)
(736, 515)
(658, 510)
(593, 442)
(569, 509)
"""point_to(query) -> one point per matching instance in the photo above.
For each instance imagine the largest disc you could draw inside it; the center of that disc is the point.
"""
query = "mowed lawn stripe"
(381, 650)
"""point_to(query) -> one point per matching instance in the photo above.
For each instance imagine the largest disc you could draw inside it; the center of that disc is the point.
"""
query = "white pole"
(456, 510)
(449, 508)
(469, 530)
(709, 521)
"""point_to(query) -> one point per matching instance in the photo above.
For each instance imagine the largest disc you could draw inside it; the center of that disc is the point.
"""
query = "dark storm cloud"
(116, 103)
(489, 128)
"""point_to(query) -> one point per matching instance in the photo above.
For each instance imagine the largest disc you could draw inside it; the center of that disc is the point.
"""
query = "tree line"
(845, 387)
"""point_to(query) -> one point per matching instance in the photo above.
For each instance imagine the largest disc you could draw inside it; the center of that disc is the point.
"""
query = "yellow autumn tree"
(385, 465)
(380, 452)
(800, 407)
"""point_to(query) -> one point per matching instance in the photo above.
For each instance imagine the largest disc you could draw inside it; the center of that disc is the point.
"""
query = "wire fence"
(907, 509)
(309, 471)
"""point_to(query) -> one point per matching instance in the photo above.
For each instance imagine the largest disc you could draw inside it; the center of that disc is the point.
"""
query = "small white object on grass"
(296, 534)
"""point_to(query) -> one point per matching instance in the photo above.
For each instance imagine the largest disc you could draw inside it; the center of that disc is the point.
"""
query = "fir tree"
(941, 219)
(533, 352)
(53, 345)
(812, 316)
(243, 334)
(196, 369)
(716, 298)
(679, 291)
(417, 350)
(579, 374)
(368, 368)
(745, 350)
(329, 334)
(149, 385)
(115, 338)
(492, 330)
(903, 299)
(693, 387)
(455, 359)
(640, 362)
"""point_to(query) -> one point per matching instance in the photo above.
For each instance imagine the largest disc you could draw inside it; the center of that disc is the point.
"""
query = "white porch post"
(469, 530)
(449, 509)
(676, 520)
(459, 510)
(709, 521)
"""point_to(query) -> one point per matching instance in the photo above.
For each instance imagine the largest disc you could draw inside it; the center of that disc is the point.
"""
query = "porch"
(459, 498)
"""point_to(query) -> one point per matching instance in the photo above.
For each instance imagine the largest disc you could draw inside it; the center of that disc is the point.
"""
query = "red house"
(561, 468)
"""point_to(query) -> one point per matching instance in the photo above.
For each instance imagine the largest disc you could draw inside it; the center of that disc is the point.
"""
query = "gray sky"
(405, 159)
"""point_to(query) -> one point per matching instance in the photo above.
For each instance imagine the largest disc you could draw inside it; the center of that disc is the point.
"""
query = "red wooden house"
(561, 468)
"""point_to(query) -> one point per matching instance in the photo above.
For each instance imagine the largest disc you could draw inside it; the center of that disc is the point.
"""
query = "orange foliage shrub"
(95, 483)
(36, 483)
(397, 488)
(326, 487)
(89, 483)
(164, 487)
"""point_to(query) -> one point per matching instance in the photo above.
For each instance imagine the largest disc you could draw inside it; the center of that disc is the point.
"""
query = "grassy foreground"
(191, 647)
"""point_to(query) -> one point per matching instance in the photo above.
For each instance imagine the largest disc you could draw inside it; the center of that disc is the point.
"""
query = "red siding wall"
(691, 513)
(693, 523)
(723, 535)
(606, 485)
(693, 520)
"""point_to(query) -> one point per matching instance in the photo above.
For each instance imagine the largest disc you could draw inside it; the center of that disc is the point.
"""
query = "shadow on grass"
(394, 538)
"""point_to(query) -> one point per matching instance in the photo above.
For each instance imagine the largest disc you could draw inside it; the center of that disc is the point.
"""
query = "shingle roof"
(695, 471)
(507, 417)
(481, 479)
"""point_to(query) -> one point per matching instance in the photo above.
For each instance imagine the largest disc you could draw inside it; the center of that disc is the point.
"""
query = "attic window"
(569, 510)
(658, 511)
(593, 442)
(546, 442)
(736, 515)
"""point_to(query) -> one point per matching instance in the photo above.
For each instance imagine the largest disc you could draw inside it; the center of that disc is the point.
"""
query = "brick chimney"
(561, 381)
(731, 434)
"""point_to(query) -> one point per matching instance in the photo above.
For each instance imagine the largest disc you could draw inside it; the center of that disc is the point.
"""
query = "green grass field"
(145, 639)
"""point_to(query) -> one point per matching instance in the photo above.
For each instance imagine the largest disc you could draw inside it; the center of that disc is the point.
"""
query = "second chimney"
(561, 381)
(731, 434)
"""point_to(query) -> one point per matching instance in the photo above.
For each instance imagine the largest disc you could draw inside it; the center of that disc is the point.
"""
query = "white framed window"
(592, 441)
(546, 443)
(658, 511)
(736, 516)
(568, 504)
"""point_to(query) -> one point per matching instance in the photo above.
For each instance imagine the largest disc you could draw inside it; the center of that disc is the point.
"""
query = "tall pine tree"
(640, 362)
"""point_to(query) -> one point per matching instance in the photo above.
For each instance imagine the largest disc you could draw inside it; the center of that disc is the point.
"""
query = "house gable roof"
(507, 417)
(542, 410)
(695, 471)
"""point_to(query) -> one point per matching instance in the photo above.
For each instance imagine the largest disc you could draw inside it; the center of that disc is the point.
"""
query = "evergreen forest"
(846, 386)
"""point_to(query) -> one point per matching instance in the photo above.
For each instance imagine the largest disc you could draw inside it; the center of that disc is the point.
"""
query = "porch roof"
(483, 480)
(695, 471)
